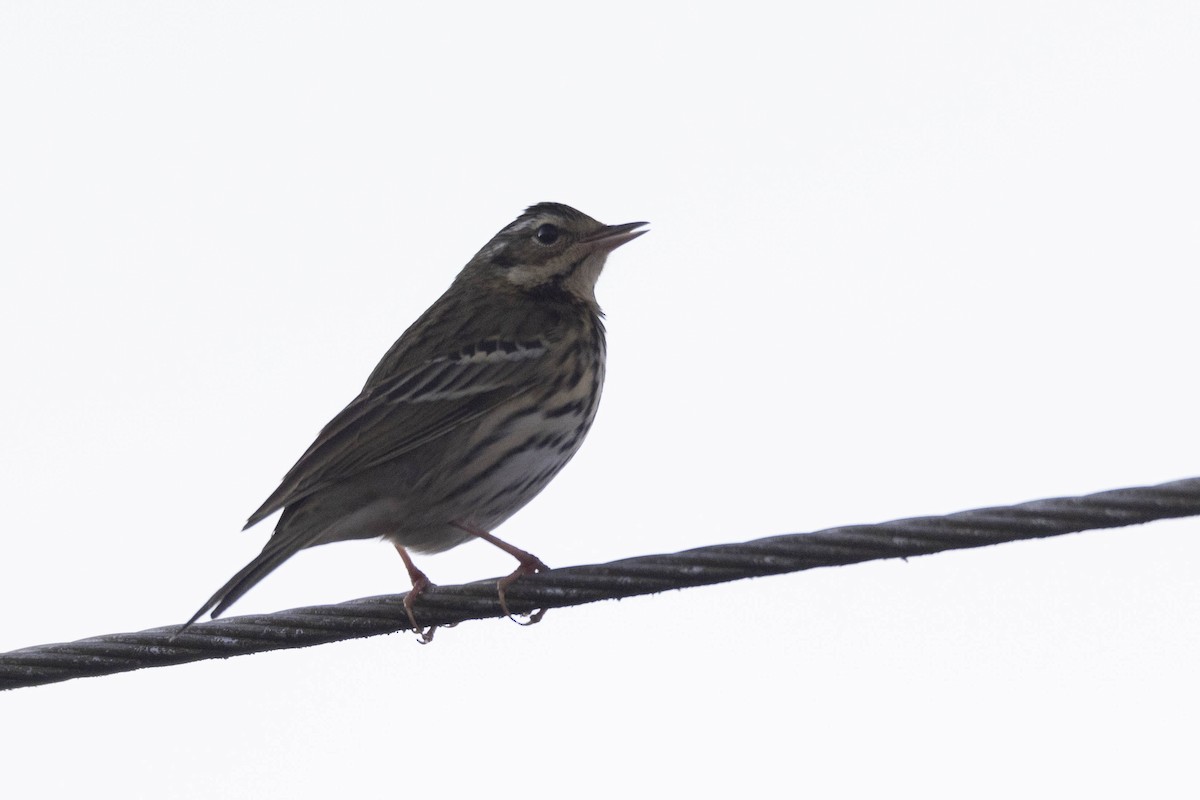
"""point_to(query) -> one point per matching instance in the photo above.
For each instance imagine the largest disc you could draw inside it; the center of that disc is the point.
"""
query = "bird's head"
(553, 249)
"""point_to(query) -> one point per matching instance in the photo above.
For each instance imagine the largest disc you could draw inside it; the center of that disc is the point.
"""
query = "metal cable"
(447, 605)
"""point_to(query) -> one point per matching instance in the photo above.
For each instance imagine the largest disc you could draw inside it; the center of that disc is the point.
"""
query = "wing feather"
(393, 416)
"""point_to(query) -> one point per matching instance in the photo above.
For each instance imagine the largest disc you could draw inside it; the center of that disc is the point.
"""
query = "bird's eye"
(547, 234)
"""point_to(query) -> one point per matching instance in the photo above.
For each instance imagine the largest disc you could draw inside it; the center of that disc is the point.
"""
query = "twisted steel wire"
(447, 605)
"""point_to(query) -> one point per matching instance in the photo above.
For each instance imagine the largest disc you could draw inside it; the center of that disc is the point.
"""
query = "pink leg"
(529, 564)
(419, 584)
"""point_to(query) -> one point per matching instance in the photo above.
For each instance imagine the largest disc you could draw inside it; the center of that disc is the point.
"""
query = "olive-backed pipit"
(468, 416)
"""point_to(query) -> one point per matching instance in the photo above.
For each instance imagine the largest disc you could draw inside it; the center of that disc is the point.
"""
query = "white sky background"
(904, 260)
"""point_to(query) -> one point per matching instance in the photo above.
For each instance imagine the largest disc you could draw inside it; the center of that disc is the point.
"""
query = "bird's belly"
(513, 470)
(520, 477)
(478, 476)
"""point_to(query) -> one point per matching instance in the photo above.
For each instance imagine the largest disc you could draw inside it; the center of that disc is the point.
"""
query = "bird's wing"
(396, 415)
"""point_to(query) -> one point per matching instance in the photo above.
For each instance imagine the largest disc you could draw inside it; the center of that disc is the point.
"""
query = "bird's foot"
(420, 582)
(529, 565)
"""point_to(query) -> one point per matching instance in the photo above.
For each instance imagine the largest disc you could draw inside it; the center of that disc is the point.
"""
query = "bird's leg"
(529, 564)
(419, 584)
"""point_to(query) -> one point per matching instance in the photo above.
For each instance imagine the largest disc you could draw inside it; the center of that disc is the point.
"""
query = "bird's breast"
(516, 449)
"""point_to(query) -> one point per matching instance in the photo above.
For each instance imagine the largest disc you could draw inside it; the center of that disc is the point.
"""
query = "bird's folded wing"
(394, 416)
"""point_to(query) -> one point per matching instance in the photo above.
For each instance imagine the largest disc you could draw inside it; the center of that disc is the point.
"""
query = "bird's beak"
(610, 237)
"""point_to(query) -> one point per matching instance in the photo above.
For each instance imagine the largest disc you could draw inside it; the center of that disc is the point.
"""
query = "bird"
(466, 418)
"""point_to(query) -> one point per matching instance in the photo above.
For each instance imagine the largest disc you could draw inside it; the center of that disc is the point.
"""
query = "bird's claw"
(528, 567)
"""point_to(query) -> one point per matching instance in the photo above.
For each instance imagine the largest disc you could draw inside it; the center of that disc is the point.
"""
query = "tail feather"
(275, 553)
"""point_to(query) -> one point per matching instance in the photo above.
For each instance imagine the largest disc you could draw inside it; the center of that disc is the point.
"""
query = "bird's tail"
(277, 550)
